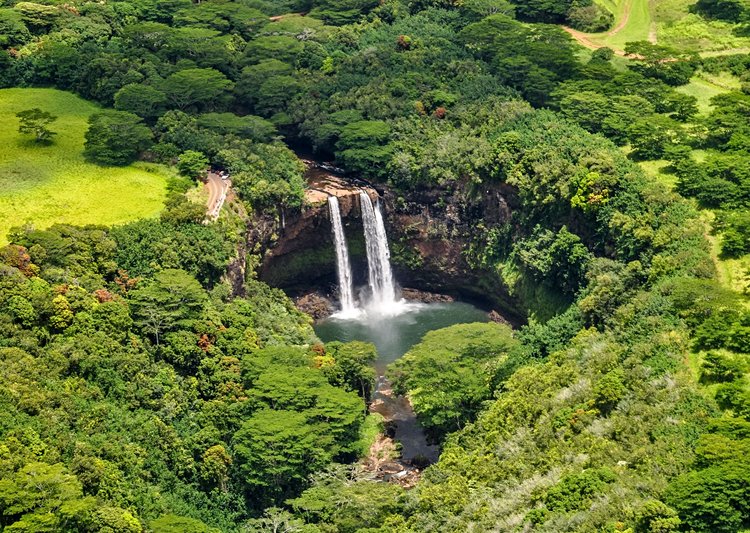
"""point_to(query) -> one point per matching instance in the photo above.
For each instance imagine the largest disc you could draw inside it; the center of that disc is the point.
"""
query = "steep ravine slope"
(431, 234)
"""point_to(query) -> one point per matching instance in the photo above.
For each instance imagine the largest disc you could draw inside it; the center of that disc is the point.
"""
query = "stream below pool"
(393, 334)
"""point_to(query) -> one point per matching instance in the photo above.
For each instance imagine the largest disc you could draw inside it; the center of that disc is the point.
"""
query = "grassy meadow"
(43, 185)
(669, 22)
(679, 28)
(635, 28)
(705, 86)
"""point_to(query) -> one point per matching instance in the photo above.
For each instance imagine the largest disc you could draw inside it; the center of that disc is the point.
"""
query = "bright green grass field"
(670, 23)
(679, 28)
(703, 90)
(43, 185)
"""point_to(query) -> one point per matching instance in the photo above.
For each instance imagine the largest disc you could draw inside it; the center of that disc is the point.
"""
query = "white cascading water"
(378, 256)
(343, 266)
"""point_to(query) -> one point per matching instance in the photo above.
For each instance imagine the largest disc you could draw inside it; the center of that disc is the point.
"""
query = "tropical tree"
(143, 100)
(661, 62)
(192, 164)
(362, 146)
(179, 524)
(12, 29)
(275, 451)
(35, 121)
(450, 373)
(199, 87)
(172, 298)
(116, 138)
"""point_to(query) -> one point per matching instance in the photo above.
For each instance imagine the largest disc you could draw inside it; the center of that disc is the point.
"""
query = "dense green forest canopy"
(139, 394)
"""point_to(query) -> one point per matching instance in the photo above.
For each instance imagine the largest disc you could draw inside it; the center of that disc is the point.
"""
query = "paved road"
(217, 193)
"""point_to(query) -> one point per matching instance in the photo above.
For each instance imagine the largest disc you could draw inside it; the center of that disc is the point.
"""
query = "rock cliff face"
(429, 233)
(296, 248)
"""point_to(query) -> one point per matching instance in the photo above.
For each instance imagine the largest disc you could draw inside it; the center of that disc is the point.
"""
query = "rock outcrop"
(295, 248)
(315, 304)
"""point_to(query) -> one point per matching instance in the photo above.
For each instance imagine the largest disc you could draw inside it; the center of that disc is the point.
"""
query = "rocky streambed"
(402, 451)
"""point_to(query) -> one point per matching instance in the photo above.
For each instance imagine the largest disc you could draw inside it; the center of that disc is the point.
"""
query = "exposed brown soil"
(584, 40)
(623, 22)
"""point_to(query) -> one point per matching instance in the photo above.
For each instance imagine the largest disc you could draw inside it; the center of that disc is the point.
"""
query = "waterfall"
(378, 255)
(343, 267)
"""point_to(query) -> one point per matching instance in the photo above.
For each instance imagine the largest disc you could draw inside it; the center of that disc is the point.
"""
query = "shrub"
(116, 138)
(591, 18)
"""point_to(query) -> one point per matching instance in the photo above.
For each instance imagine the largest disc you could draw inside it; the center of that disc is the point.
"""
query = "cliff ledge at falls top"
(296, 248)
(321, 185)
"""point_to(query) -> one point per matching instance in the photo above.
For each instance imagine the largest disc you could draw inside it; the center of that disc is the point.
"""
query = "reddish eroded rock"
(322, 183)
(415, 295)
(315, 304)
(429, 230)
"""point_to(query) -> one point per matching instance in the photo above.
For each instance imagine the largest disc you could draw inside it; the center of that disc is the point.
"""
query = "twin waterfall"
(380, 275)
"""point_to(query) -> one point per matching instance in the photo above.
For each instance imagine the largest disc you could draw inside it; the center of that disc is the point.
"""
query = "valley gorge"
(375, 266)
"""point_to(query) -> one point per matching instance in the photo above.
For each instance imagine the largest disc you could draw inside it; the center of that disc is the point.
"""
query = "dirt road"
(623, 21)
(586, 41)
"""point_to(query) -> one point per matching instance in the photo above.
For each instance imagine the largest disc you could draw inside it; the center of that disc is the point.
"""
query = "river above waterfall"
(394, 334)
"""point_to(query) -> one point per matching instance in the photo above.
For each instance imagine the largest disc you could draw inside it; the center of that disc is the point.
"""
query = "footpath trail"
(586, 41)
(594, 41)
(623, 20)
